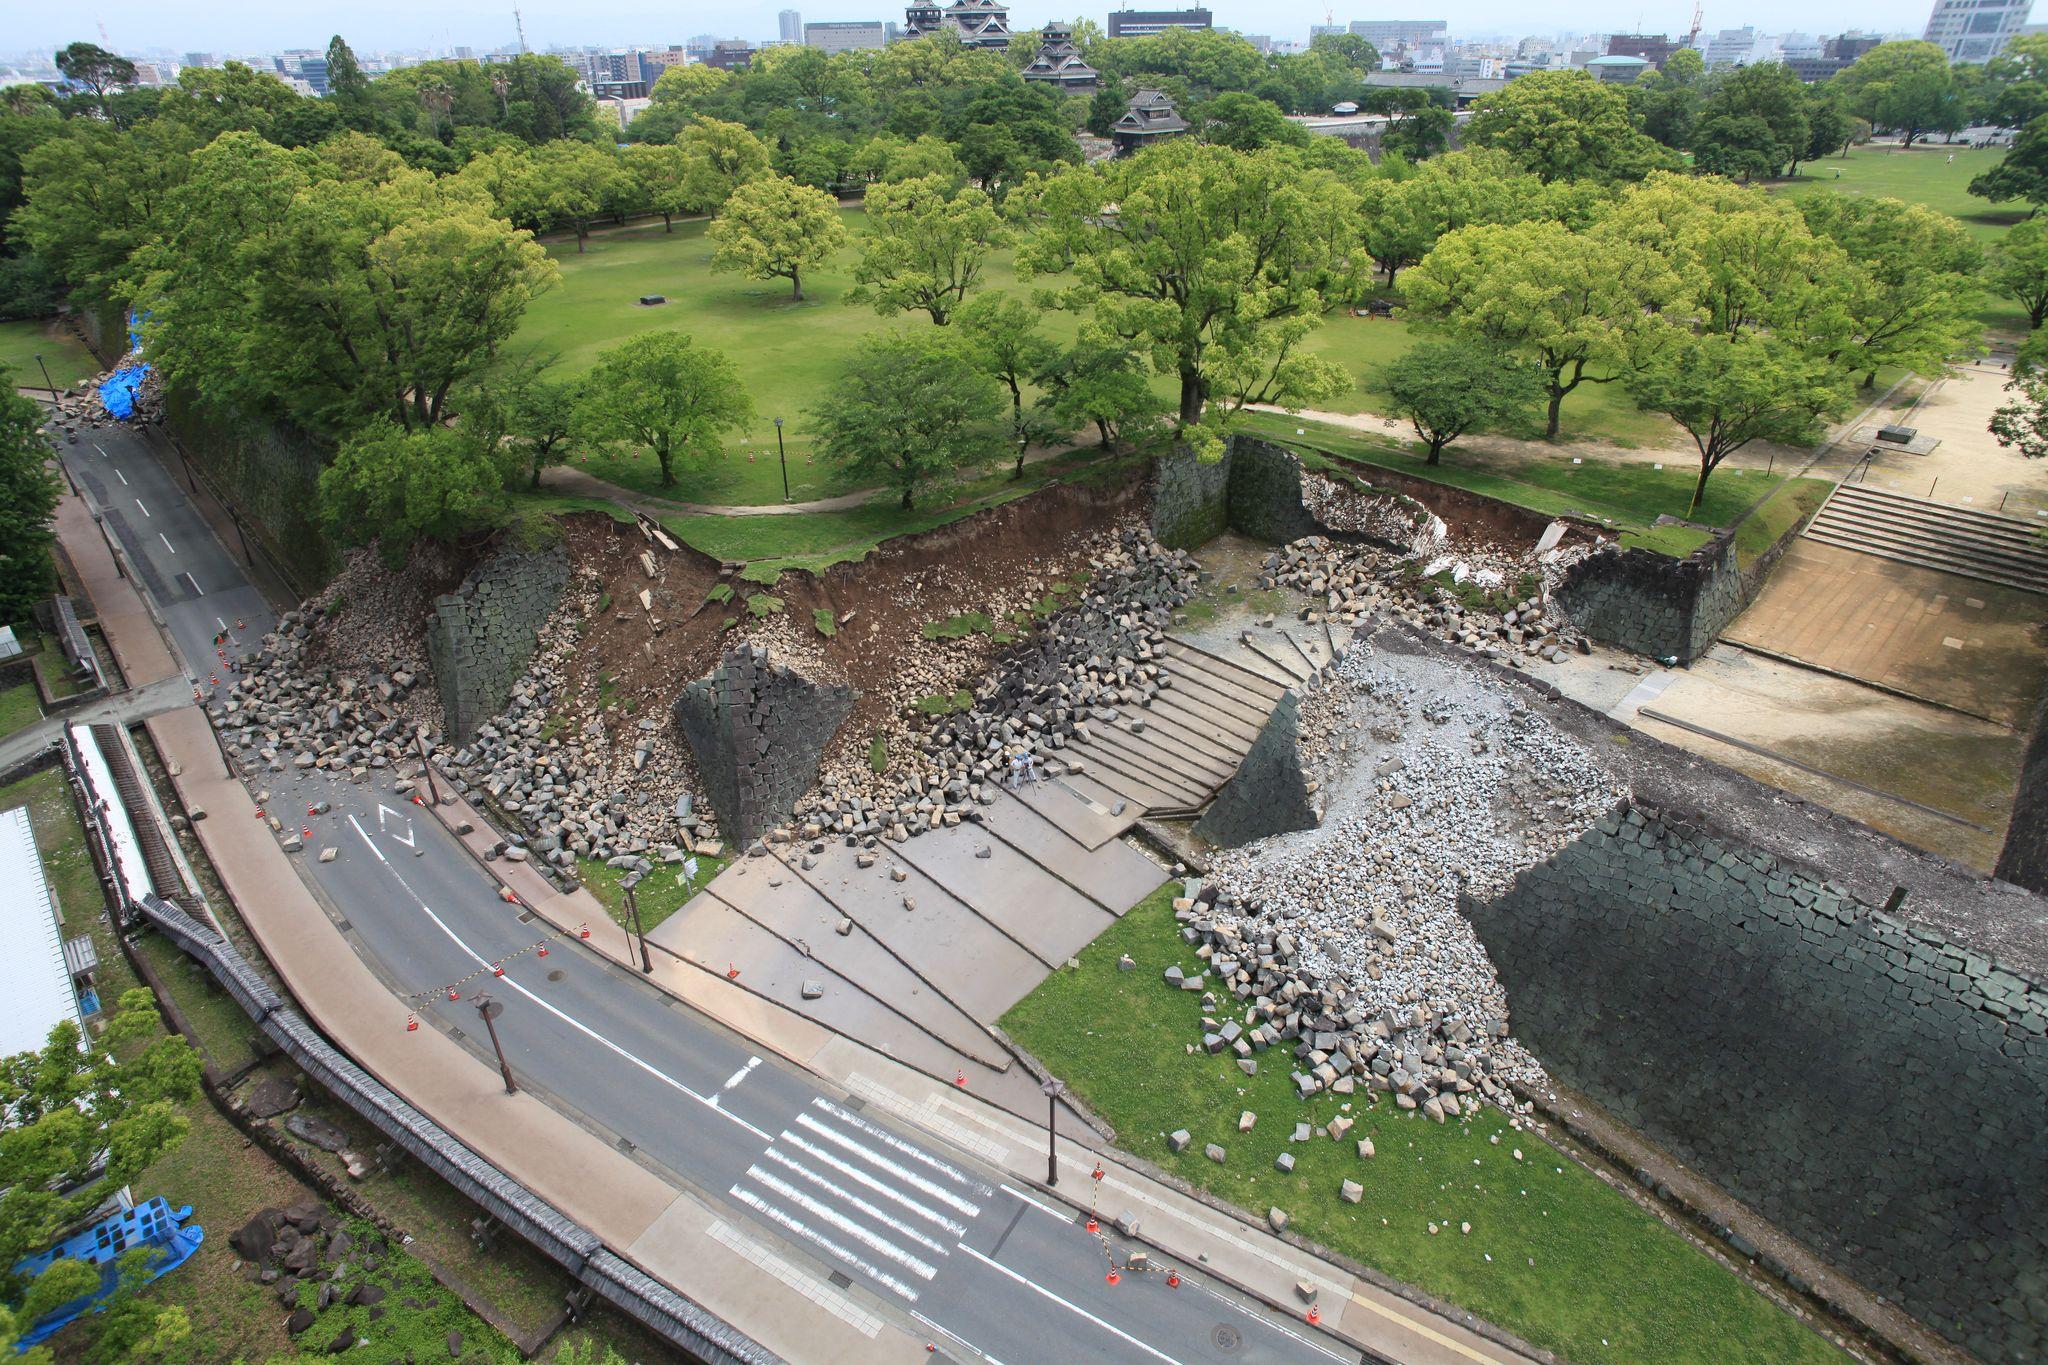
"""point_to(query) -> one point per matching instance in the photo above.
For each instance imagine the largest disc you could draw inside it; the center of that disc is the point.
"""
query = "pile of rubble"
(285, 713)
(1506, 615)
(1102, 653)
(1390, 517)
(583, 794)
(307, 1246)
(1345, 943)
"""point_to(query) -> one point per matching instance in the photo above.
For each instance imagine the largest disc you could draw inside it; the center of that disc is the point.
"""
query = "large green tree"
(1103, 385)
(1211, 261)
(1445, 388)
(927, 243)
(2022, 173)
(28, 501)
(1911, 286)
(662, 392)
(1903, 86)
(909, 408)
(1762, 112)
(95, 70)
(2019, 268)
(396, 487)
(1404, 218)
(1585, 307)
(1002, 338)
(1566, 125)
(92, 196)
(774, 228)
(1727, 391)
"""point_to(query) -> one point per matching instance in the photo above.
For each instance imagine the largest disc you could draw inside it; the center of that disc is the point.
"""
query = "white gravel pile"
(1439, 782)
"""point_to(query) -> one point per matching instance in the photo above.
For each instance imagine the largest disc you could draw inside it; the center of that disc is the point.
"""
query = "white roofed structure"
(35, 981)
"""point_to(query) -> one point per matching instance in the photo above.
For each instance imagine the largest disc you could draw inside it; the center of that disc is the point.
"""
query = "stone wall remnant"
(482, 636)
(1271, 792)
(1872, 1087)
(759, 730)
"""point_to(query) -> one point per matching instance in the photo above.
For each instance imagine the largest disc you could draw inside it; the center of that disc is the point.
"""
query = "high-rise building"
(791, 24)
(199, 59)
(1652, 48)
(1386, 35)
(845, 35)
(1144, 23)
(305, 65)
(1976, 30)
(1738, 47)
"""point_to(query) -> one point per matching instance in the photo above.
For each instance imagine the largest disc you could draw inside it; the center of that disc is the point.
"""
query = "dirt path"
(1679, 447)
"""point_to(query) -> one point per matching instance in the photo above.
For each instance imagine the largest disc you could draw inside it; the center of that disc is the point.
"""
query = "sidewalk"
(1186, 1230)
(125, 619)
(126, 708)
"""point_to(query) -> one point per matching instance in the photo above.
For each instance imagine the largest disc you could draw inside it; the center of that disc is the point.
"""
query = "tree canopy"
(1445, 388)
(663, 392)
(1903, 86)
(774, 228)
(909, 408)
(927, 242)
(28, 501)
(1565, 125)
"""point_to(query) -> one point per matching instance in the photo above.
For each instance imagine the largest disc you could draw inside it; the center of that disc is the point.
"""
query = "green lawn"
(1553, 1255)
(1628, 494)
(660, 893)
(18, 706)
(65, 355)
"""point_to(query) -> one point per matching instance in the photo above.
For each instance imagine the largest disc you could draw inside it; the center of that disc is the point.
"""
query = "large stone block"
(755, 769)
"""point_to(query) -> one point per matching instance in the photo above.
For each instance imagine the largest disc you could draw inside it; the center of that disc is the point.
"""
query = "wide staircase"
(1172, 756)
(1988, 546)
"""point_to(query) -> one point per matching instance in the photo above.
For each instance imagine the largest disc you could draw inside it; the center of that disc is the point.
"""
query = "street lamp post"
(1052, 1110)
(47, 382)
(490, 1010)
(633, 913)
(427, 768)
(783, 455)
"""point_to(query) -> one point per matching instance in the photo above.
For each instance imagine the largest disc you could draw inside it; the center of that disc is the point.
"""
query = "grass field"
(1553, 1254)
(62, 352)
(1924, 175)
(18, 706)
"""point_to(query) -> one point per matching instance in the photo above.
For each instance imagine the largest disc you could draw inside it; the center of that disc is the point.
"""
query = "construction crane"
(519, 24)
(1697, 17)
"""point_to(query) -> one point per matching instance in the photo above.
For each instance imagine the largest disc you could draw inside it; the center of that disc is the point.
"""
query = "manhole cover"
(1224, 1337)
(555, 975)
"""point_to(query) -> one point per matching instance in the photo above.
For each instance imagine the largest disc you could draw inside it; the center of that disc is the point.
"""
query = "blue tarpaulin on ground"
(119, 389)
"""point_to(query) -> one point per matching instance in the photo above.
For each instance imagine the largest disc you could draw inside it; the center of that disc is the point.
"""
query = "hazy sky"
(370, 25)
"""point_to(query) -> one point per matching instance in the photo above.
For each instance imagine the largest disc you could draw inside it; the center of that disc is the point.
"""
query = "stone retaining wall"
(2024, 859)
(270, 472)
(1253, 487)
(1652, 604)
(1873, 1088)
(1269, 792)
(482, 636)
(758, 731)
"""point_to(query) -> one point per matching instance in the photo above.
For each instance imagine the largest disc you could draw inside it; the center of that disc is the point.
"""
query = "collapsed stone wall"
(1872, 1087)
(482, 636)
(270, 471)
(1270, 792)
(759, 731)
(1253, 487)
(2024, 858)
(1652, 604)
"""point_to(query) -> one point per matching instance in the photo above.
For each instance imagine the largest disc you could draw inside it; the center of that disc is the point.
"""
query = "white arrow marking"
(384, 810)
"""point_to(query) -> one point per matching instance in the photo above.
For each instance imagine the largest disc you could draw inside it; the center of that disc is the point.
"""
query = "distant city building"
(1738, 47)
(1791, 45)
(310, 67)
(1388, 35)
(846, 35)
(1146, 23)
(731, 54)
(1617, 70)
(1814, 70)
(1976, 30)
(625, 74)
(1847, 47)
(199, 59)
(1059, 63)
(982, 23)
(791, 25)
(1652, 48)
(1150, 118)
(1261, 41)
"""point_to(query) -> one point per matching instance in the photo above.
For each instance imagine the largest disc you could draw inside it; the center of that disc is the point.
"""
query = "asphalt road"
(934, 1236)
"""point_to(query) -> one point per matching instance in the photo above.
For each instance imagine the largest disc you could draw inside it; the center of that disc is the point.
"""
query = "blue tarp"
(118, 390)
(154, 1224)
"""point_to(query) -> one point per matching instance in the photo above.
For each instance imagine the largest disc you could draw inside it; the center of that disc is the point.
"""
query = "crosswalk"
(863, 1196)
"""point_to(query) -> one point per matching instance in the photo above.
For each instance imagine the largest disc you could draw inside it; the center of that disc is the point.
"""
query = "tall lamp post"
(1052, 1089)
(783, 455)
(490, 1010)
(633, 913)
(47, 383)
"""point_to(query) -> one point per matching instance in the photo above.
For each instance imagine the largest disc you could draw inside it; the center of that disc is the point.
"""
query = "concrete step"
(1936, 532)
(1229, 674)
(1084, 811)
(1158, 795)
(1966, 541)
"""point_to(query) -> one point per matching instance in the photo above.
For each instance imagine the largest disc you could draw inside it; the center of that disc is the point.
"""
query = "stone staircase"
(1172, 756)
(1987, 546)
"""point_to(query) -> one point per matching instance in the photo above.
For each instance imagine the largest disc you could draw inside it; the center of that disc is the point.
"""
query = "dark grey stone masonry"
(1253, 488)
(1653, 604)
(482, 636)
(1269, 792)
(2024, 858)
(758, 731)
(1877, 1090)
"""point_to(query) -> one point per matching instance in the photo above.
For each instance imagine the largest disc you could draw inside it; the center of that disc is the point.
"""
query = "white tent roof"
(35, 986)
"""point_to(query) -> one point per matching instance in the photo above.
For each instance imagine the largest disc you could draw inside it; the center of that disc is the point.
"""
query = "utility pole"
(47, 382)
(784, 456)
(490, 1010)
(1052, 1088)
(627, 884)
(427, 769)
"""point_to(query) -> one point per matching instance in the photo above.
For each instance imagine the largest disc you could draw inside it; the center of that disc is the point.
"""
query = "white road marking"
(195, 585)
(902, 1173)
(138, 501)
(222, 624)
(908, 1149)
(122, 477)
(853, 1172)
(384, 810)
(167, 542)
(1277, 1326)
(100, 448)
(1109, 1327)
(568, 1019)
(741, 1074)
(776, 1183)
(1063, 1215)
(801, 1229)
(955, 1336)
(874, 1242)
